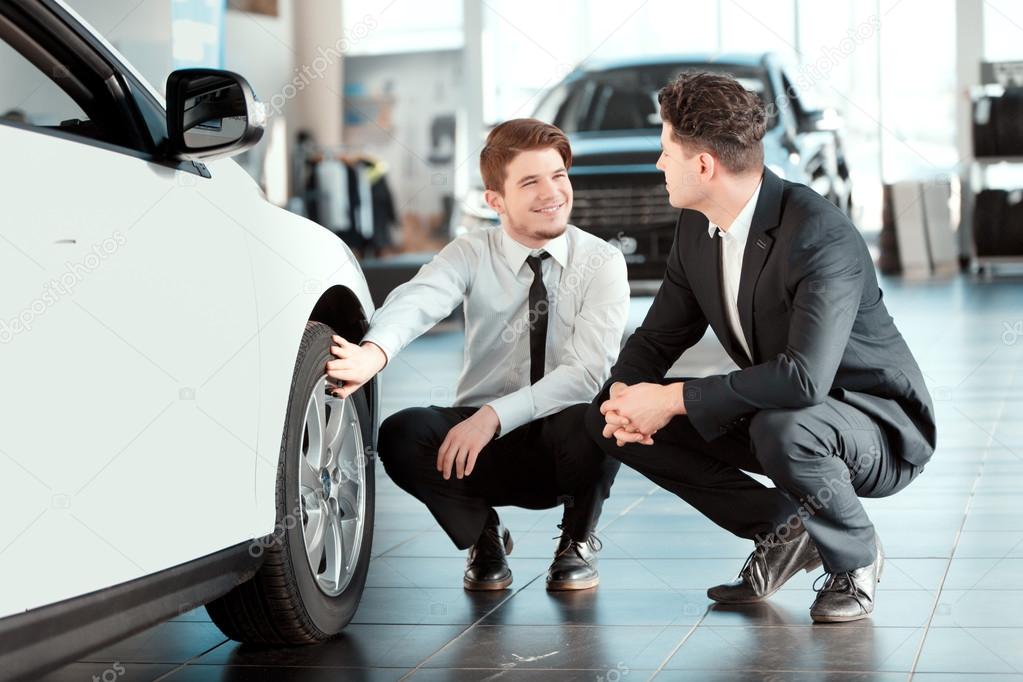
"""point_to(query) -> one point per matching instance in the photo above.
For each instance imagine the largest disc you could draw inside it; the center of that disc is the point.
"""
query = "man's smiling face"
(537, 196)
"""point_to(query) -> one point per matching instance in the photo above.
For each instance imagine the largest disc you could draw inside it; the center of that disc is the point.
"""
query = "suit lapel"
(758, 246)
(713, 289)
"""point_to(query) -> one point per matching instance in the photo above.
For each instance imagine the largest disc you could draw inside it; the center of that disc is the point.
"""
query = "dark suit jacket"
(812, 314)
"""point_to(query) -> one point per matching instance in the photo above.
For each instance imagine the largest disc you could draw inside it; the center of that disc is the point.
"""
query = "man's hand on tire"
(354, 365)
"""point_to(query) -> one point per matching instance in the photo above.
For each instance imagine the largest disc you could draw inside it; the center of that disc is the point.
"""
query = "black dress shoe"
(770, 565)
(575, 564)
(487, 565)
(849, 595)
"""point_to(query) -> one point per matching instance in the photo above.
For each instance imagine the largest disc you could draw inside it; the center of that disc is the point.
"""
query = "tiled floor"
(949, 607)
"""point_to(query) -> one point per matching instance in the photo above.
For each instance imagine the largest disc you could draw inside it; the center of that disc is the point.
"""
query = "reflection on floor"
(949, 606)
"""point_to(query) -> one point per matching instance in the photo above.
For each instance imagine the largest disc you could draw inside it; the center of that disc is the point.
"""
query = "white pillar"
(969, 53)
(319, 44)
(469, 126)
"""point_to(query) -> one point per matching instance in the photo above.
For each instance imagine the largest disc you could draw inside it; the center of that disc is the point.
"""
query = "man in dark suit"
(828, 401)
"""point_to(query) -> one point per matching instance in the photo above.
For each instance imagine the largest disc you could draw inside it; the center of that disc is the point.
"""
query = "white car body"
(149, 324)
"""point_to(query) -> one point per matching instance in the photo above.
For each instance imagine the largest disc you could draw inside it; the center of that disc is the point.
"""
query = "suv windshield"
(626, 98)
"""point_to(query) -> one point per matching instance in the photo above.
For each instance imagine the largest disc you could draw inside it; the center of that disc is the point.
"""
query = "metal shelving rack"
(978, 180)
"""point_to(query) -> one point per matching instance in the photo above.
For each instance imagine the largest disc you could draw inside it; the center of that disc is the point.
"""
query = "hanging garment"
(333, 196)
(384, 214)
(365, 219)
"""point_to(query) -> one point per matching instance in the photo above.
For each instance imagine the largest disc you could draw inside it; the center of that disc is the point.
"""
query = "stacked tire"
(998, 124)
(998, 223)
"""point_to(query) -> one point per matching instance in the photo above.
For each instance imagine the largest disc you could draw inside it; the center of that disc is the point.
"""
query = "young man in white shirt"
(545, 309)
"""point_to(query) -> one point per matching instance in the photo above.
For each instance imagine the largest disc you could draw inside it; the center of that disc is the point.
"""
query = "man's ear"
(708, 166)
(494, 200)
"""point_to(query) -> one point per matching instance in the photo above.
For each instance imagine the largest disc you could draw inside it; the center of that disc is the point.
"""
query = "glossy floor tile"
(842, 648)
(950, 606)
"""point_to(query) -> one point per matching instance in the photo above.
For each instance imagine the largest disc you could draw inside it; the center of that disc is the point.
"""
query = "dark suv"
(610, 112)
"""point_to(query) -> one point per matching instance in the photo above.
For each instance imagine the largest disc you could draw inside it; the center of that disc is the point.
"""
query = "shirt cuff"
(390, 345)
(514, 410)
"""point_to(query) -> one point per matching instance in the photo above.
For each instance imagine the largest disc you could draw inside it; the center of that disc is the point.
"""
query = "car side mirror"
(211, 114)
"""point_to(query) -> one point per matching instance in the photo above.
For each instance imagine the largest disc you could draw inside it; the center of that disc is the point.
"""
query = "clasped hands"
(633, 414)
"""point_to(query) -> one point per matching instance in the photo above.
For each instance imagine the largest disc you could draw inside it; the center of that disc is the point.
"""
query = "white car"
(167, 440)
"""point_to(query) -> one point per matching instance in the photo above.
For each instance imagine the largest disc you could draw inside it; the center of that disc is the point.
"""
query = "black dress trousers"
(821, 459)
(543, 464)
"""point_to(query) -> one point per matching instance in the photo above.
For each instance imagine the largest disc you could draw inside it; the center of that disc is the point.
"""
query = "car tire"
(287, 601)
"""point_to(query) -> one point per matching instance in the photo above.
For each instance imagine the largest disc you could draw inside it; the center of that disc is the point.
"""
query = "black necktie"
(538, 308)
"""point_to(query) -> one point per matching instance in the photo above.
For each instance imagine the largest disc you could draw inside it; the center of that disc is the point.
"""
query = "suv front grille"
(630, 211)
(606, 205)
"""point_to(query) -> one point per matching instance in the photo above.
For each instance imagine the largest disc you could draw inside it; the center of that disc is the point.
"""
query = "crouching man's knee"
(399, 442)
(779, 441)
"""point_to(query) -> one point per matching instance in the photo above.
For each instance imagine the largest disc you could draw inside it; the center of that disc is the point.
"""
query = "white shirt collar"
(515, 252)
(741, 225)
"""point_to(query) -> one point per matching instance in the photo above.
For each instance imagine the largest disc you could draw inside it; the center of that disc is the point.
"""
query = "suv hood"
(634, 151)
(637, 152)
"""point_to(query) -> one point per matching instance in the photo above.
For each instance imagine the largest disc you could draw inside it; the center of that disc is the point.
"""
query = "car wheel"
(315, 563)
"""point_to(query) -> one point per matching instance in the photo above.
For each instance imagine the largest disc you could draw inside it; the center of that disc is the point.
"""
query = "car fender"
(296, 263)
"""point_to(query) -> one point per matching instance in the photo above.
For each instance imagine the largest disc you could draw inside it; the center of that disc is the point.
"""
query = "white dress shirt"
(733, 245)
(486, 271)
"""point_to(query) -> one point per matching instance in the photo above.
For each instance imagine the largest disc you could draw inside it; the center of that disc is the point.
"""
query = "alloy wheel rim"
(332, 488)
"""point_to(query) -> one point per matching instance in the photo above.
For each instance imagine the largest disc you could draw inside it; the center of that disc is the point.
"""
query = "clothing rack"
(347, 191)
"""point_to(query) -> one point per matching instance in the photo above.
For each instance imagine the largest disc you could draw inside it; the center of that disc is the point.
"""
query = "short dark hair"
(508, 139)
(714, 113)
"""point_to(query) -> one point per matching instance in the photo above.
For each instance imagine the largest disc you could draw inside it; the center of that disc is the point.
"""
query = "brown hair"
(713, 113)
(508, 139)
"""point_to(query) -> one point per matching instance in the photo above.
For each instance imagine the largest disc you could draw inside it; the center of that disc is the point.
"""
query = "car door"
(127, 338)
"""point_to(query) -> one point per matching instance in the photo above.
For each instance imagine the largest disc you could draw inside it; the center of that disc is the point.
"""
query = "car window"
(30, 96)
(51, 83)
(573, 106)
(552, 104)
(626, 98)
